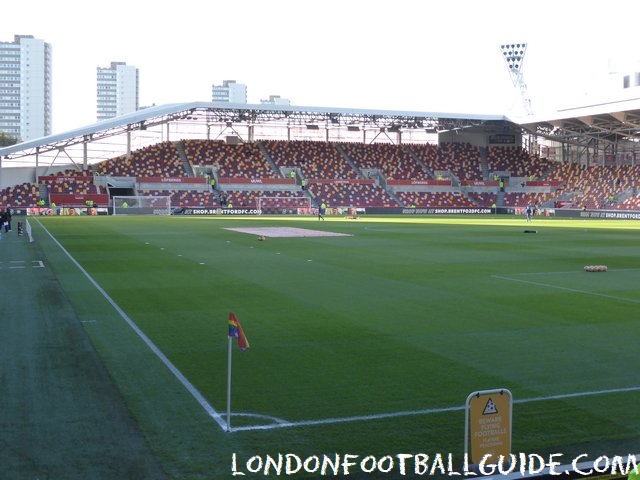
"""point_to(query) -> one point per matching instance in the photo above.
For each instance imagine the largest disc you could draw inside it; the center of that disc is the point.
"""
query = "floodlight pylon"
(513, 54)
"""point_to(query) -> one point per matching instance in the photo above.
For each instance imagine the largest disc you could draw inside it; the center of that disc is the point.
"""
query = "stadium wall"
(11, 176)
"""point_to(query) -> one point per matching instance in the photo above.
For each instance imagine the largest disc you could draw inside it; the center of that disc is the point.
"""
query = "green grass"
(402, 315)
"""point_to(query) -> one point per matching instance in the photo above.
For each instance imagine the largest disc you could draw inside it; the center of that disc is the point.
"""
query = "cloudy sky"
(411, 55)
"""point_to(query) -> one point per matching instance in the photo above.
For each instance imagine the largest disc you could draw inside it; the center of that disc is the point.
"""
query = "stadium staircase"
(186, 165)
(43, 191)
(419, 161)
(625, 195)
(350, 162)
(307, 194)
(483, 161)
(380, 179)
(395, 198)
(269, 159)
(500, 199)
(551, 202)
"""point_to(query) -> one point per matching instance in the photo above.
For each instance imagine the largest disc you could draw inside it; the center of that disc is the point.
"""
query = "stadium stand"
(160, 160)
(462, 160)
(393, 161)
(523, 199)
(23, 195)
(345, 175)
(351, 194)
(317, 160)
(435, 199)
(516, 161)
(243, 160)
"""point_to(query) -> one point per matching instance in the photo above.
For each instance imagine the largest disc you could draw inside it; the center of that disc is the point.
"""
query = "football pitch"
(366, 335)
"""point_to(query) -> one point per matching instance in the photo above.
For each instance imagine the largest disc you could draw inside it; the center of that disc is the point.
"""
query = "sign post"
(488, 425)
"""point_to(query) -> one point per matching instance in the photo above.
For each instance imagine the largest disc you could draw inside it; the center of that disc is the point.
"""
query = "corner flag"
(235, 330)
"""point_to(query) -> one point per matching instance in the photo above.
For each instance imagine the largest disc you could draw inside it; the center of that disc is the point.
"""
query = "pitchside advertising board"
(479, 211)
(335, 211)
(488, 425)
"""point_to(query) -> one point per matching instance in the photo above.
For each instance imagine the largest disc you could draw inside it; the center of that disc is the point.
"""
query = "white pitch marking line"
(269, 417)
(567, 289)
(572, 271)
(15, 264)
(177, 373)
(429, 411)
(282, 423)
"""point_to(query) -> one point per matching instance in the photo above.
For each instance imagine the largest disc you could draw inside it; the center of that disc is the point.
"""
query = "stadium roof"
(609, 122)
(206, 114)
(606, 122)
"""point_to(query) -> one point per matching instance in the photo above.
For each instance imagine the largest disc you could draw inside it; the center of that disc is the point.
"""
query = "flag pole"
(229, 388)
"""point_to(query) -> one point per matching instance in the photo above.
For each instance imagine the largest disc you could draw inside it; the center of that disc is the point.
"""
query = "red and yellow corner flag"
(235, 330)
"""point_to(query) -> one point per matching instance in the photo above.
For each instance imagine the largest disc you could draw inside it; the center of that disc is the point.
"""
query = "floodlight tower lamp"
(513, 54)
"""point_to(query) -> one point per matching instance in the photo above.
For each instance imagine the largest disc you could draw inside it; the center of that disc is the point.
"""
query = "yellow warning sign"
(488, 428)
(490, 408)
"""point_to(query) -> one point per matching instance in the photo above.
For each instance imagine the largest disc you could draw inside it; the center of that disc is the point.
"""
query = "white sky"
(414, 55)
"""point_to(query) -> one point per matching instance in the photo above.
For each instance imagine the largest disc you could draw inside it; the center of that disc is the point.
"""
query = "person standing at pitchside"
(4, 221)
(321, 209)
(8, 212)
